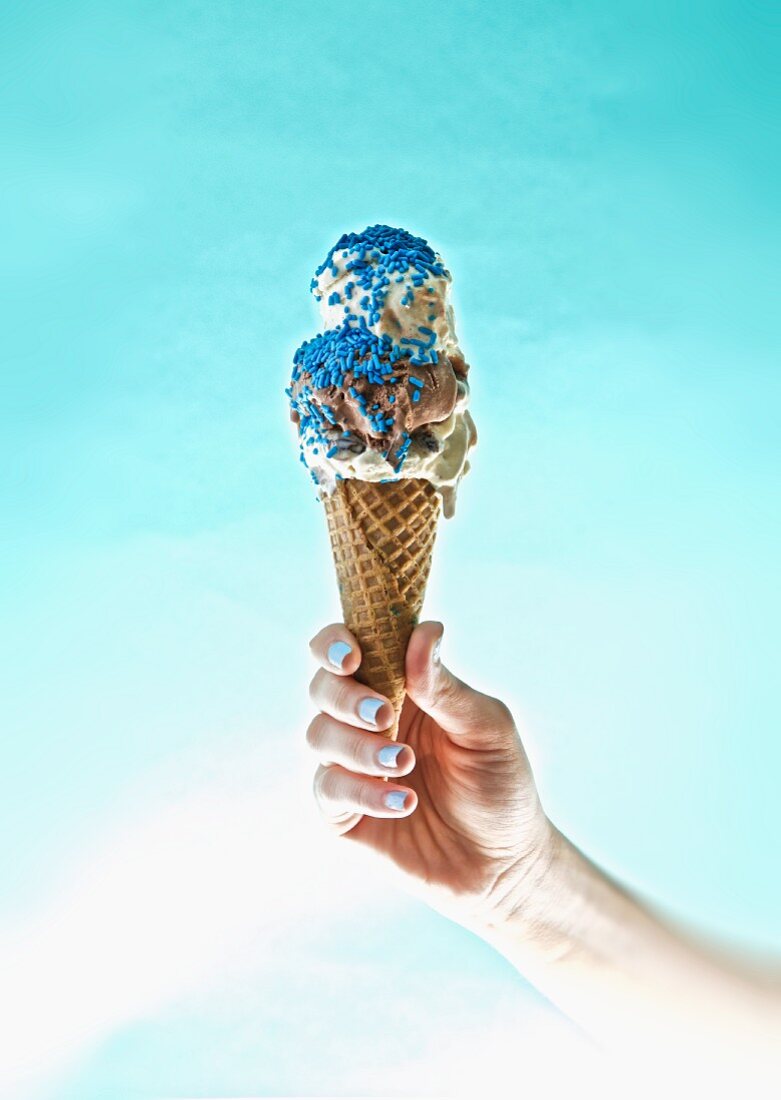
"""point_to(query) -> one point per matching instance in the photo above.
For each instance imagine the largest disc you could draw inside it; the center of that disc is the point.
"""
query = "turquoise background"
(602, 181)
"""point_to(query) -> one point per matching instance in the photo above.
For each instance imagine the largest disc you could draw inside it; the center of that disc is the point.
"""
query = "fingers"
(345, 699)
(332, 690)
(471, 718)
(335, 649)
(350, 781)
(340, 794)
(364, 753)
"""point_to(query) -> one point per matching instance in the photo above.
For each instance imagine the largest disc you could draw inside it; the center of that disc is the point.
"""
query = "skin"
(474, 842)
(473, 825)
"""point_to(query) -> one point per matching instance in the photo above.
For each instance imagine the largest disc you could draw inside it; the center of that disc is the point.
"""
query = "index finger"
(336, 649)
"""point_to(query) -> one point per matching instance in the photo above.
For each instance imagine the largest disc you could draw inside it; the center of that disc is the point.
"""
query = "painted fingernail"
(395, 800)
(367, 710)
(338, 652)
(388, 755)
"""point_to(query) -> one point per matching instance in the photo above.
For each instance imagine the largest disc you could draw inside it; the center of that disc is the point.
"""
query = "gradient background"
(601, 179)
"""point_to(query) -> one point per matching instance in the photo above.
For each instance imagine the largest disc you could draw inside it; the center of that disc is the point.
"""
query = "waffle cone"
(382, 538)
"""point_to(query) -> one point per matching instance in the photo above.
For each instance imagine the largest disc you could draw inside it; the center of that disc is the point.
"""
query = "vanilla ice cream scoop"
(392, 280)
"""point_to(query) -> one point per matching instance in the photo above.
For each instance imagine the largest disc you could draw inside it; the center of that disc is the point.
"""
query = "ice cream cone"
(379, 400)
(382, 538)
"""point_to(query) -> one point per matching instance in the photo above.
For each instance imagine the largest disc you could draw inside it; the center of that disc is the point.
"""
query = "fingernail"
(389, 754)
(367, 709)
(338, 653)
(435, 650)
(395, 800)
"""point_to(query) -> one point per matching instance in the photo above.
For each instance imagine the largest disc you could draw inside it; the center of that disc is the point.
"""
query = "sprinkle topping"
(355, 387)
(374, 260)
(399, 251)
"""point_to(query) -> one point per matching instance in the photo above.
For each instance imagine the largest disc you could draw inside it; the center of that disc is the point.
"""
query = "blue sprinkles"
(352, 358)
(348, 359)
(399, 250)
(374, 258)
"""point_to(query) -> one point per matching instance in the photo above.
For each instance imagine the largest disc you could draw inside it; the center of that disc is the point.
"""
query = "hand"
(465, 827)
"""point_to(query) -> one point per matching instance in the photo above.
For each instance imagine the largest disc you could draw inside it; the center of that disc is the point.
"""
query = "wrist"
(535, 905)
(523, 891)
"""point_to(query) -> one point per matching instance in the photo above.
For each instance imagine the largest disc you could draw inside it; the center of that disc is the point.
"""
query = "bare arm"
(629, 978)
(459, 818)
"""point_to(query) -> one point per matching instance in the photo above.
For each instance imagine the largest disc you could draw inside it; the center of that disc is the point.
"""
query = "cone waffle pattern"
(382, 537)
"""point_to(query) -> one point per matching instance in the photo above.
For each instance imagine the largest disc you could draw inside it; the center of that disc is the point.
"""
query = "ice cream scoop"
(382, 394)
(391, 280)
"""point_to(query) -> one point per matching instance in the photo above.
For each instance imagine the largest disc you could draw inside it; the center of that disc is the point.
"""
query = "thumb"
(471, 719)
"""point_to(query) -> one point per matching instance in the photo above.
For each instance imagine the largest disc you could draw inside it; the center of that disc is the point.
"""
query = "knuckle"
(499, 719)
(338, 810)
(500, 713)
(317, 781)
(315, 731)
(352, 750)
(447, 694)
(323, 784)
(362, 796)
(314, 685)
(343, 697)
(366, 749)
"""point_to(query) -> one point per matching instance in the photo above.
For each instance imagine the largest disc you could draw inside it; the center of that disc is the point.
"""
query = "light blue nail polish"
(389, 754)
(338, 653)
(395, 800)
(367, 709)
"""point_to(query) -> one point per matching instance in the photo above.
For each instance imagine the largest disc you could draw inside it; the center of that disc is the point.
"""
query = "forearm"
(626, 977)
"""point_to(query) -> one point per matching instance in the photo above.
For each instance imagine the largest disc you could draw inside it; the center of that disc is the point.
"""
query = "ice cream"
(395, 281)
(382, 393)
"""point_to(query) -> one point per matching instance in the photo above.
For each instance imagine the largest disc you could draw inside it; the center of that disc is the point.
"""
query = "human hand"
(465, 827)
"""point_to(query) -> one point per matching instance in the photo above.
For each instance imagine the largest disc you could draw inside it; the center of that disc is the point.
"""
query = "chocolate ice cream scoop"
(350, 379)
